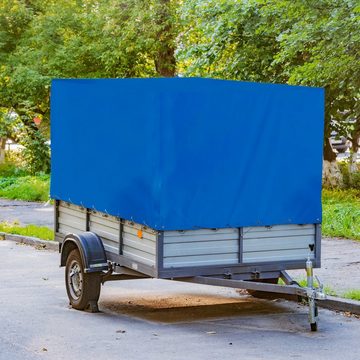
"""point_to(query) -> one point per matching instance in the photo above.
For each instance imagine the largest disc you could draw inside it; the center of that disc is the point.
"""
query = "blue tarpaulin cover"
(188, 153)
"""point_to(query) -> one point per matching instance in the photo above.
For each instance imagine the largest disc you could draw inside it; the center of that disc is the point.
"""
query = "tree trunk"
(329, 154)
(331, 174)
(165, 62)
(354, 147)
(2, 150)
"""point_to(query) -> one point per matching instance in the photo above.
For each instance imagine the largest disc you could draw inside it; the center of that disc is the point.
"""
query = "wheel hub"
(75, 279)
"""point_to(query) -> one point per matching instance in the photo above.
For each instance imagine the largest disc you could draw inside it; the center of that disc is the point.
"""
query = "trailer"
(209, 181)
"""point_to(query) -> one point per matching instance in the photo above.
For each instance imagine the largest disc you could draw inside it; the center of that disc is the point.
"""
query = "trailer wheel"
(83, 289)
(314, 326)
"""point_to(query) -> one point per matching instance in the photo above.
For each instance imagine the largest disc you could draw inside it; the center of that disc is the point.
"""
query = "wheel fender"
(91, 250)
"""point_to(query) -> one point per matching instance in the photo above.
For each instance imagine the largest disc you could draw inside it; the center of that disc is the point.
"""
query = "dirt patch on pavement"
(187, 307)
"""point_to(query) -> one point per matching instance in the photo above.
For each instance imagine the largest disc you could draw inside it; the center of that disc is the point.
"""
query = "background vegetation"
(312, 42)
(302, 42)
(41, 232)
(28, 188)
(341, 213)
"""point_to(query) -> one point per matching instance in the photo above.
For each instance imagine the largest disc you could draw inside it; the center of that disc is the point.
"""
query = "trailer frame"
(253, 277)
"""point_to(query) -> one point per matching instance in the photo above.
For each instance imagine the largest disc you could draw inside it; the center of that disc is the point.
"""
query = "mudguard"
(91, 250)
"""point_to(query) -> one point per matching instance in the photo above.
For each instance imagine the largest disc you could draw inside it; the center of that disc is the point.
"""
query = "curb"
(43, 244)
(330, 303)
(340, 304)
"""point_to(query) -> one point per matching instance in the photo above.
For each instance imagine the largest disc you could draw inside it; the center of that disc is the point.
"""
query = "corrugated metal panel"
(280, 227)
(133, 228)
(201, 260)
(277, 243)
(201, 247)
(277, 231)
(198, 232)
(213, 236)
(278, 255)
(72, 218)
(72, 212)
(136, 248)
(65, 229)
(268, 244)
(71, 206)
(108, 228)
(104, 219)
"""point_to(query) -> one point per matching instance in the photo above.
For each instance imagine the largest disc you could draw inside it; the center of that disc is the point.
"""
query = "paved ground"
(340, 269)
(154, 319)
(27, 212)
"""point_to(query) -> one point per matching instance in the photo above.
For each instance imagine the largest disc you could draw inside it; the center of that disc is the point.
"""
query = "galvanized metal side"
(278, 243)
(236, 252)
(201, 247)
(139, 243)
(107, 227)
(71, 218)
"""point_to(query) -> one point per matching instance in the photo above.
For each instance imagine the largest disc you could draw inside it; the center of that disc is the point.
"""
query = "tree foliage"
(303, 42)
(45, 39)
(310, 42)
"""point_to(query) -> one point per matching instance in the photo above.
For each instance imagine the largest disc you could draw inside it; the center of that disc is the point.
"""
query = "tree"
(18, 85)
(296, 42)
(77, 39)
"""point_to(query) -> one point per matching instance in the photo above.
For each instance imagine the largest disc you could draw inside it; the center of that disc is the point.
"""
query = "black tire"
(314, 326)
(82, 288)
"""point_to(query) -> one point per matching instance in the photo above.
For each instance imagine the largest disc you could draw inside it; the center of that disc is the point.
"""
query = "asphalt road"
(154, 319)
(26, 212)
(340, 265)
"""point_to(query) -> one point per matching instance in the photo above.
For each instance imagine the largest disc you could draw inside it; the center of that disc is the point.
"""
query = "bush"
(28, 188)
(15, 157)
(350, 180)
(10, 170)
(36, 152)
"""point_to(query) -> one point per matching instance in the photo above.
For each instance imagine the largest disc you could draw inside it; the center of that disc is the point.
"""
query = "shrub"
(350, 180)
(15, 157)
(11, 170)
(28, 188)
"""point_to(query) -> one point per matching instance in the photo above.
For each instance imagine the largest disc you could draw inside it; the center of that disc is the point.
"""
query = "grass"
(302, 282)
(341, 213)
(327, 289)
(352, 294)
(41, 232)
(28, 188)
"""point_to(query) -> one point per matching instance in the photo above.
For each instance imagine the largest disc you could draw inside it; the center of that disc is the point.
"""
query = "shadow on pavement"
(185, 307)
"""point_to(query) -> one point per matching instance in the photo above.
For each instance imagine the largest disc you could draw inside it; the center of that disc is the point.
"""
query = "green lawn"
(341, 213)
(41, 232)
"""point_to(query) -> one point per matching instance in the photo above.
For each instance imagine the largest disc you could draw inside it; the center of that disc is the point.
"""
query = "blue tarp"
(188, 153)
